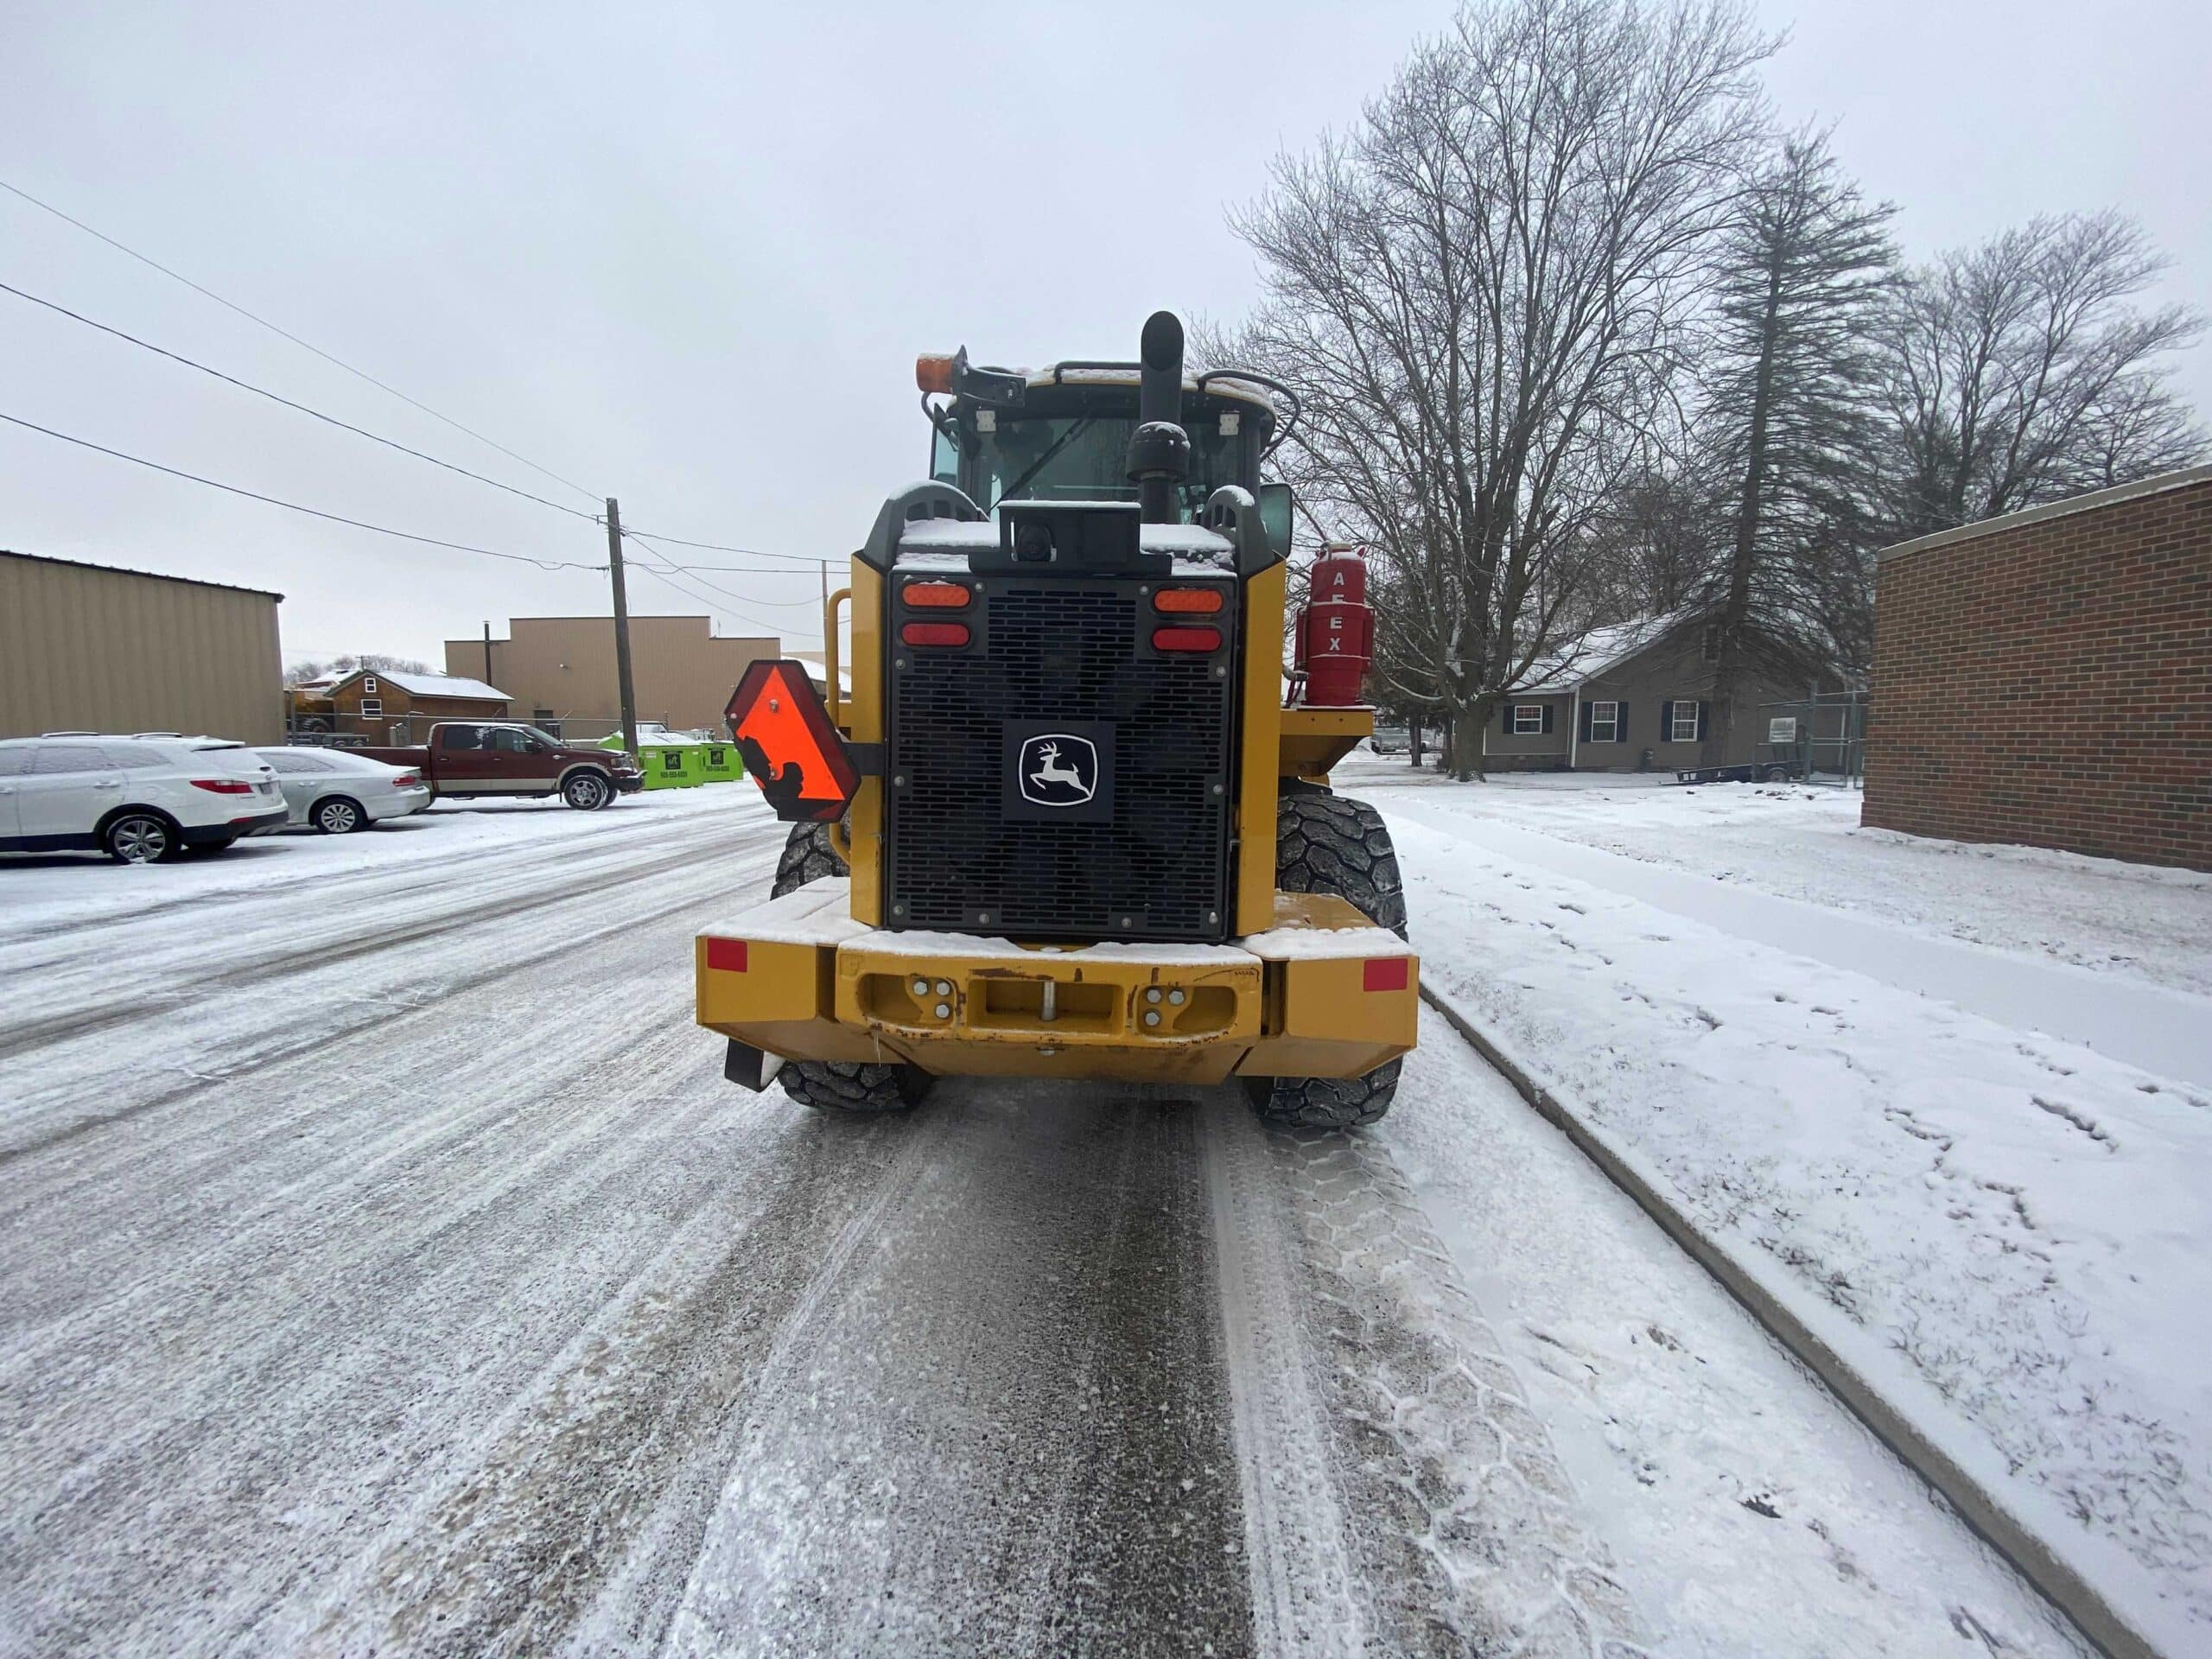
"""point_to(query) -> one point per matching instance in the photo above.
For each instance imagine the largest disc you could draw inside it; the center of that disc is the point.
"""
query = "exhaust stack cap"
(1160, 449)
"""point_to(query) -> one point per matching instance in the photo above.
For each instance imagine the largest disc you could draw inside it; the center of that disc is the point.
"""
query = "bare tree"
(1480, 295)
(1802, 268)
(346, 662)
(2020, 372)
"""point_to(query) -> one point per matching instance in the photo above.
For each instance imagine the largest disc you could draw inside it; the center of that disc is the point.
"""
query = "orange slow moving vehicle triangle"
(789, 745)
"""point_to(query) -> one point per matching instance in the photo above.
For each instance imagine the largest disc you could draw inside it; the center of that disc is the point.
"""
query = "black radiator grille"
(1073, 650)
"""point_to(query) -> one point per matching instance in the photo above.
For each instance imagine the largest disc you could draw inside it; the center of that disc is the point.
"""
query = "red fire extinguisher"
(1335, 630)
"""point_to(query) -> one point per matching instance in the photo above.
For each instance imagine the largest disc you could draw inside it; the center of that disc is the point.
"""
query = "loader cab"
(1062, 434)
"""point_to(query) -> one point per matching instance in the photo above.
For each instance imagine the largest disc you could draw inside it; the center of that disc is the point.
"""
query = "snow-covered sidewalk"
(1882, 1072)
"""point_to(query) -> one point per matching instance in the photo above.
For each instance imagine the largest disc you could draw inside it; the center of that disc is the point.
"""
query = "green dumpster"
(670, 765)
(720, 763)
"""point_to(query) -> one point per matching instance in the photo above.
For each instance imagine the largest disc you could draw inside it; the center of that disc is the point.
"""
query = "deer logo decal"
(1058, 769)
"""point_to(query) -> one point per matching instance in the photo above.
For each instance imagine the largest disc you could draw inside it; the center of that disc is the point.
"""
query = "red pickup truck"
(475, 756)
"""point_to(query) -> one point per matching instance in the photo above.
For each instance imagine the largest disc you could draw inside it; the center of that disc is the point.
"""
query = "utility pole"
(621, 628)
(488, 655)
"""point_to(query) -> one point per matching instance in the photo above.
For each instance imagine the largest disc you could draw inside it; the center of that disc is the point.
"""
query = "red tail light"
(936, 595)
(408, 780)
(935, 633)
(223, 785)
(1186, 638)
(1199, 601)
(727, 956)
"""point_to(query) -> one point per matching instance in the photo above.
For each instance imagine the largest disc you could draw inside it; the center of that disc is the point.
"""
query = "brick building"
(2046, 677)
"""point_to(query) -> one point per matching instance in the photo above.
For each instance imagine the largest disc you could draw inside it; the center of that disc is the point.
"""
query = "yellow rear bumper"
(1322, 994)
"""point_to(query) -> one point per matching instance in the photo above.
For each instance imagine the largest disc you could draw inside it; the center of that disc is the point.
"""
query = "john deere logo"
(1058, 769)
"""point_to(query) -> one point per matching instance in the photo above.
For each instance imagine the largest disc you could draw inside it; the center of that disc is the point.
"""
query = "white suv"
(135, 798)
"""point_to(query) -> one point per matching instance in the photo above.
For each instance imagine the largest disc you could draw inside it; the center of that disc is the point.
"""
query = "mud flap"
(750, 1067)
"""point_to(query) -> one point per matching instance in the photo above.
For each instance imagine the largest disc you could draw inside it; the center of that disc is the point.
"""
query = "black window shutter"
(1585, 723)
(1505, 716)
(1620, 722)
(1548, 716)
(1700, 723)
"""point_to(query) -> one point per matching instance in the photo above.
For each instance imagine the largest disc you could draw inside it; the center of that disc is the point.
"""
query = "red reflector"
(727, 955)
(1186, 638)
(935, 633)
(1384, 974)
(936, 595)
(1193, 600)
(222, 785)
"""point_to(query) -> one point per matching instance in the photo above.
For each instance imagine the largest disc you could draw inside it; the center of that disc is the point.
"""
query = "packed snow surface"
(1883, 1071)
(390, 1270)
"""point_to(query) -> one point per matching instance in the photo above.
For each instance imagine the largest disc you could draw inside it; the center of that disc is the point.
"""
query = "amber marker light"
(1188, 602)
(936, 595)
(933, 373)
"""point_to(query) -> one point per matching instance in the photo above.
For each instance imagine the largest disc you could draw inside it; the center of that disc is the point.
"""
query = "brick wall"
(2048, 680)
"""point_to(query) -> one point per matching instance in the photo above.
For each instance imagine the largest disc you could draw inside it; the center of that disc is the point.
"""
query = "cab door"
(517, 761)
(459, 761)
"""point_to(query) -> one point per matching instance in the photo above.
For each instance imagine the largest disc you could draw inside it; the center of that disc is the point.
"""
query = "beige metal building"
(87, 647)
(560, 669)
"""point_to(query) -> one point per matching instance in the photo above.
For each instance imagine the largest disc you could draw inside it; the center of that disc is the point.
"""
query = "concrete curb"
(2104, 1625)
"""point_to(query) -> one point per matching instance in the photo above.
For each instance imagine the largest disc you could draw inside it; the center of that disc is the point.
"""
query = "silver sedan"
(337, 792)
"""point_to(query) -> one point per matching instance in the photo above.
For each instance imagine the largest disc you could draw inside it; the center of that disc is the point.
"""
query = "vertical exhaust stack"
(1160, 449)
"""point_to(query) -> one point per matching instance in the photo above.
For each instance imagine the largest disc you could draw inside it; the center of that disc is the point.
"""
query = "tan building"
(560, 669)
(87, 647)
(392, 706)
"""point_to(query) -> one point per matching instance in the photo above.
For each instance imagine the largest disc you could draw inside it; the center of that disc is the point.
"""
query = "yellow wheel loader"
(1064, 821)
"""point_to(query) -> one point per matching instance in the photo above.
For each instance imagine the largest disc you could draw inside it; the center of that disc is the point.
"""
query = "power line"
(737, 602)
(359, 374)
(719, 547)
(668, 567)
(313, 512)
(274, 397)
(667, 581)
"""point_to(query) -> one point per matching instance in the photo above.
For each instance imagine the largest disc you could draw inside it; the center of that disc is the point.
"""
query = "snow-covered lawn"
(1952, 1102)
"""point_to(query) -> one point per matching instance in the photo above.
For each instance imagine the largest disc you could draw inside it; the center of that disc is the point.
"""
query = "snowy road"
(387, 1268)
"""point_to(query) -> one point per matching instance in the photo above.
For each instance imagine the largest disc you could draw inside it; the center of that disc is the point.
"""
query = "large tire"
(1330, 844)
(837, 1085)
(338, 815)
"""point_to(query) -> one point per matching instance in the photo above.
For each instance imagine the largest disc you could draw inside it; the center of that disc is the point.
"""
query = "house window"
(1605, 723)
(372, 708)
(1528, 719)
(1681, 722)
(369, 685)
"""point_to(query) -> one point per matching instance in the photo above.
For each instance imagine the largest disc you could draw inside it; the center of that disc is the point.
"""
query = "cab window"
(508, 740)
(461, 737)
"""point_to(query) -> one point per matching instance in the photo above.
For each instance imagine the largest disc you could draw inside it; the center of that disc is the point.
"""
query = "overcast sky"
(686, 255)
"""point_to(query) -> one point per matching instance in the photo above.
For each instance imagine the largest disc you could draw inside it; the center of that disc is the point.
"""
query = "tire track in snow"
(1401, 1495)
(1001, 1426)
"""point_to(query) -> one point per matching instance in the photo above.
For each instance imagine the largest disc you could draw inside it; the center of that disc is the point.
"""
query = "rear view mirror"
(1275, 516)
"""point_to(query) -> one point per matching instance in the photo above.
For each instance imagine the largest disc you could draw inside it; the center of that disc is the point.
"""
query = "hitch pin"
(1051, 999)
